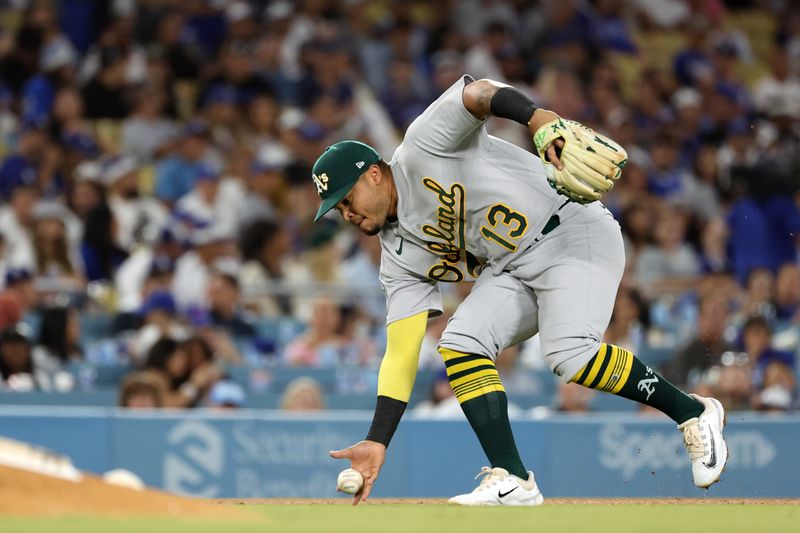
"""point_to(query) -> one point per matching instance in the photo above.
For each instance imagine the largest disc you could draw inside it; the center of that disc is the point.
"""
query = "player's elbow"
(477, 96)
(486, 84)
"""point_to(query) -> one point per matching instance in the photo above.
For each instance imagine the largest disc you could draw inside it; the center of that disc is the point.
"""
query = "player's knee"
(566, 354)
(462, 343)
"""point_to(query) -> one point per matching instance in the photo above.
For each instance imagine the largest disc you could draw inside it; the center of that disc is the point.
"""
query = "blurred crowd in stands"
(156, 204)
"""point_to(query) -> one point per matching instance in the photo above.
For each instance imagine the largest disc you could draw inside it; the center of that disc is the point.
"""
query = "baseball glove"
(591, 162)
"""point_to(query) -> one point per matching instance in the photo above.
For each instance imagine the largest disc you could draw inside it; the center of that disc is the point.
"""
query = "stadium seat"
(95, 326)
(93, 398)
(608, 402)
(89, 376)
(656, 355)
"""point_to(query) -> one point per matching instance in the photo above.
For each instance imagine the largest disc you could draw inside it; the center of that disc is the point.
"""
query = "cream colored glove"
(591, 162)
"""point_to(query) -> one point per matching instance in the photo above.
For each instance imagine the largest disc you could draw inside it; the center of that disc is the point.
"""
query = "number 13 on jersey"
(515, 222)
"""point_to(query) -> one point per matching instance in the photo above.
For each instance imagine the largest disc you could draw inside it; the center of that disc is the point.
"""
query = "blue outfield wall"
(251, 454)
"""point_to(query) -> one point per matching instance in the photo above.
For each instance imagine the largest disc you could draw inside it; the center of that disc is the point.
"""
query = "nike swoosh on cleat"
(713, 461)
(504, 494)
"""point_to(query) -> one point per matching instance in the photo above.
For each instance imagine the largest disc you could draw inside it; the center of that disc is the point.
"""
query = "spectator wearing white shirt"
(441, 402)
(131, 277)
(267, 189)
(160, 319)
(193, 268)
(57, 260)
(213, 201)
(135, 216)
(16, 221)
(780, 89)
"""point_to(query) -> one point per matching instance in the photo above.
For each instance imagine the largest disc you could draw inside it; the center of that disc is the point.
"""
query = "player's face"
(366, 205)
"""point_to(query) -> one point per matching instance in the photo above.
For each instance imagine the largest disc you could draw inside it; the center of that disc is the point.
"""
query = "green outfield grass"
(597, 518)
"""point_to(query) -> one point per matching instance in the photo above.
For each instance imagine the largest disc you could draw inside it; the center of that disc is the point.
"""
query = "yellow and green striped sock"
(480, 392)
(471, 375)
(618, 371)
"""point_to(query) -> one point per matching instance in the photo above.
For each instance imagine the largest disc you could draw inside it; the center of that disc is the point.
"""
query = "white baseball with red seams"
(350, 481)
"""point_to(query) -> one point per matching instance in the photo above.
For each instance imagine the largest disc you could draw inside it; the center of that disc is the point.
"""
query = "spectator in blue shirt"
(327, 76)
(568, 32)
(225, 310)
(175, 175)
(22, 166)
(763, 233)
(692, 65)
(756, 341)
(610, 27)
(57, 63)
(403, 98)
(237, 72)
(666, 179)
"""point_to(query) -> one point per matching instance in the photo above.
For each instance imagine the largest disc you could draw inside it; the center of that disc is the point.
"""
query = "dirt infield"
(24, 493)
(550, 501)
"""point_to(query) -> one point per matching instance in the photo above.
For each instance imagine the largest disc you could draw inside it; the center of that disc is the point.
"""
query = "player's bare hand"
(552, 153)
(540, 118)
(367, 457)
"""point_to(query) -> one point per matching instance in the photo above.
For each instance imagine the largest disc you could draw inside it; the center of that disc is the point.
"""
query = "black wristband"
(388, 413)
(509, 103)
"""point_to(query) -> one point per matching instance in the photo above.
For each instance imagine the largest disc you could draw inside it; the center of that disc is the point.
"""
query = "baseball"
(350, 481)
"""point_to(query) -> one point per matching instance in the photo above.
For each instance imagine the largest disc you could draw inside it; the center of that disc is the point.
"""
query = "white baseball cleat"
(703, 439)
(498, 487)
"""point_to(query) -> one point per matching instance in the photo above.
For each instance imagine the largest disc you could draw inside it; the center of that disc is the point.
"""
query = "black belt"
(552, 224)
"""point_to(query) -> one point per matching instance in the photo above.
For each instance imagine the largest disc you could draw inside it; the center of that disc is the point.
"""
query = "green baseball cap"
(338, 169)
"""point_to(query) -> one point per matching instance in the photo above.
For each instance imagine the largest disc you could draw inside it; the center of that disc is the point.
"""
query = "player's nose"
(349, 215)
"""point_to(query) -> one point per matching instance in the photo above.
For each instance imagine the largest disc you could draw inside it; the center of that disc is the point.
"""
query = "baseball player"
(455, 204)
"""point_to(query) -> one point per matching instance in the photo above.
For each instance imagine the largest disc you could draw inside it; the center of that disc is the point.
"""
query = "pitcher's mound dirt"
(24, 493)
(549, 501)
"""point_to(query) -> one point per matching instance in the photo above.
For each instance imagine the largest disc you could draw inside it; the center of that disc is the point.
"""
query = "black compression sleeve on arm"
(509, 103)
(388, 413)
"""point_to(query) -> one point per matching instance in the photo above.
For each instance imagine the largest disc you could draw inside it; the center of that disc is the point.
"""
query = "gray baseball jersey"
(470, 206)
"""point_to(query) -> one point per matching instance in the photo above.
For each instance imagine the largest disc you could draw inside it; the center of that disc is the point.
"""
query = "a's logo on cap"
(360, 165)
(321, 182)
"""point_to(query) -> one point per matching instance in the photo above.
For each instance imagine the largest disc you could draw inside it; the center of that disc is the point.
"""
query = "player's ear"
(374, 174)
